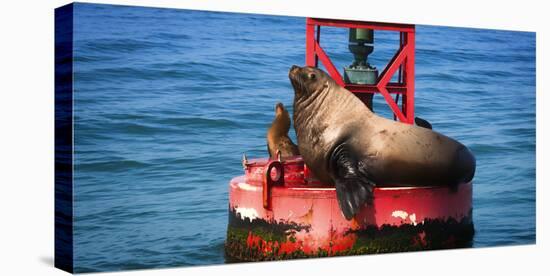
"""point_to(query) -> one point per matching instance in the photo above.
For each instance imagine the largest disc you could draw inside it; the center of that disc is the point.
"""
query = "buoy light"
(361, 46)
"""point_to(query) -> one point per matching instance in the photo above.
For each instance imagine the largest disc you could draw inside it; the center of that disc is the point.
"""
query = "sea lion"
(277, 134)
(345, 144)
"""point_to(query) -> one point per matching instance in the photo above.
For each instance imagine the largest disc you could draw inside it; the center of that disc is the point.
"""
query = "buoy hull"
(304, 220)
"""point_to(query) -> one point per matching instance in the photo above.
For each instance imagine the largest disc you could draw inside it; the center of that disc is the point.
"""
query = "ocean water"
(167, 101)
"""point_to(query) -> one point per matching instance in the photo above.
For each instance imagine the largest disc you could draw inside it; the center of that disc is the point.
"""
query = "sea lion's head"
(281, 122)
(280, 110)
(308, 81)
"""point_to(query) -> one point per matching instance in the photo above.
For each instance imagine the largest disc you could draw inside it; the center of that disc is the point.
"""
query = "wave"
(111, 165)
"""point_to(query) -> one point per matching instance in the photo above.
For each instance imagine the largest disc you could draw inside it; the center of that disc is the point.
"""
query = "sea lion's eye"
(311, 76)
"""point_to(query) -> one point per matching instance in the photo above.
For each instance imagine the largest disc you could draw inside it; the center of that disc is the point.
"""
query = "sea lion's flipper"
(353, 189)
(422, 123)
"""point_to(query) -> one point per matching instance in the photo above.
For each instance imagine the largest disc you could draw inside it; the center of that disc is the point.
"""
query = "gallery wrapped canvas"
(187, 137)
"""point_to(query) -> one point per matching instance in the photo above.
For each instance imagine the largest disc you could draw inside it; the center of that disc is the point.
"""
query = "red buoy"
(277, 212)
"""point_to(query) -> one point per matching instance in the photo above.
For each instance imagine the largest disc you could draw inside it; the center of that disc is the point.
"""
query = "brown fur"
(345, 144)
(393, 153)
(277, 135)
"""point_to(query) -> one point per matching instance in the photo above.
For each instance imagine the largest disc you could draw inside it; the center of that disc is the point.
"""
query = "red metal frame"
(402, 62)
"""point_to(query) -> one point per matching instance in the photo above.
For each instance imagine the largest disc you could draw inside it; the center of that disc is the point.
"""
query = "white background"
(27, 136)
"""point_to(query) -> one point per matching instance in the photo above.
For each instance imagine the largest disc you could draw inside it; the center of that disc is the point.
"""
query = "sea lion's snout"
(293, 70)
(279, 108)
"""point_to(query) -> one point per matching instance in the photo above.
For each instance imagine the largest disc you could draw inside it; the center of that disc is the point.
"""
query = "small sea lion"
(345, 144)
(277, 135)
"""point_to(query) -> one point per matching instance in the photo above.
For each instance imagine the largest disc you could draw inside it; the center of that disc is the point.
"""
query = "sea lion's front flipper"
(353, 189)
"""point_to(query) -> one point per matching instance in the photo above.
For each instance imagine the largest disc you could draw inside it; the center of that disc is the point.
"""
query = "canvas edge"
(64, 244)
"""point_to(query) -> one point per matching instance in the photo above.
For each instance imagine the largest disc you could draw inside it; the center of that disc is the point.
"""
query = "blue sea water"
(167, 101)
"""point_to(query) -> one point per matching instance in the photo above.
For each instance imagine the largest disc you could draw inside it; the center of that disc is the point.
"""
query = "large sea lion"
(345, 144)
(277, 134)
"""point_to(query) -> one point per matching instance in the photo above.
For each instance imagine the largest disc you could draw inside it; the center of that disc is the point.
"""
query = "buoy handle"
(273, 176)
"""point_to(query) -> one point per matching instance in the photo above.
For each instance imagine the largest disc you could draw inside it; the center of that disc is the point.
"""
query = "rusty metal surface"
(401, 218)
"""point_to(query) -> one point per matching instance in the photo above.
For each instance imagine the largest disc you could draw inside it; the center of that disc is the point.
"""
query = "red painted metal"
(272, 176)
(402, 62)
(304, 201)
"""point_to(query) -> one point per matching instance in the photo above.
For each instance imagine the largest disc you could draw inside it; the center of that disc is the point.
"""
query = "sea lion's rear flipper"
(353, 189)
(422, 123)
